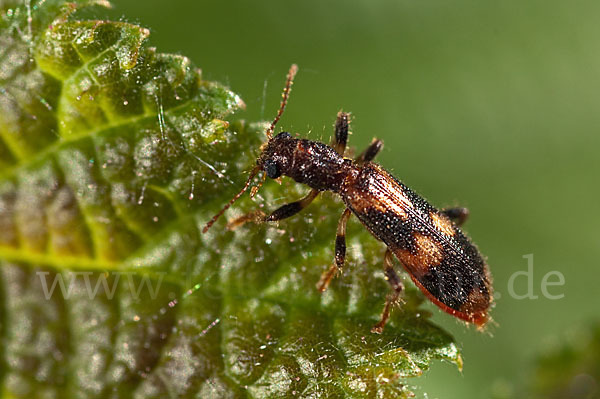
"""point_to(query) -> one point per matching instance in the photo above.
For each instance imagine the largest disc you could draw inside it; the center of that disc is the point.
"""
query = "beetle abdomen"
(440, 259)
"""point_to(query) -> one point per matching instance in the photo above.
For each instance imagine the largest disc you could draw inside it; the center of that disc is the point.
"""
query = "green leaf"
(112, 158)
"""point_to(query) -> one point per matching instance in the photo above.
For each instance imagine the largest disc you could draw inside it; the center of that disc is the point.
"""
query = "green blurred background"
(493, 105)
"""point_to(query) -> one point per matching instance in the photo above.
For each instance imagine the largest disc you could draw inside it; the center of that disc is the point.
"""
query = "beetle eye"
(283, 135)
(271, 169)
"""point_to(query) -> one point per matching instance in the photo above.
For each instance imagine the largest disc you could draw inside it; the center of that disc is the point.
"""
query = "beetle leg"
(391, 299)
(340, 252)
(457, 215)
(257, 216)
(288, 210)
(283, 212)
(341, 132)
(371, 152)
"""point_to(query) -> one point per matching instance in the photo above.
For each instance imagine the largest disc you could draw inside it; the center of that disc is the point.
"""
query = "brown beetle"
(439, 258)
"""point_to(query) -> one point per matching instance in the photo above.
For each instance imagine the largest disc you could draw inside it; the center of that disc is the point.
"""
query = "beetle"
(440, 259)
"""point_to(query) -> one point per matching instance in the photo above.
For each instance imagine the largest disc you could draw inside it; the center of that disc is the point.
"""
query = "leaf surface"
(112, 158)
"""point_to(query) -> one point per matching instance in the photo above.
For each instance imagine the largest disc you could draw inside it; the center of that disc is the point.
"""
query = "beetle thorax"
(308, 162)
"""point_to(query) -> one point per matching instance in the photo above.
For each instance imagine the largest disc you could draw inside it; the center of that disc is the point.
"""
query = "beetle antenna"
(231, 201)
(284, 99)
(258, 186)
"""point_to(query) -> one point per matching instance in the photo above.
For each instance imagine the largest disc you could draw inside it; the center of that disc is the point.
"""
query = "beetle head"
(273, 158)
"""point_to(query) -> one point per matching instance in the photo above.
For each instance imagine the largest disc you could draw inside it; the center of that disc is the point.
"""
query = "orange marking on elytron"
(478, 302)
(443, 224)
(385, 183)
(428, 254)
(428, 250)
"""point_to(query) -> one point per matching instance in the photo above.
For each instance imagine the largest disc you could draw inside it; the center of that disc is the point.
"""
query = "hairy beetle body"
(439, 258)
